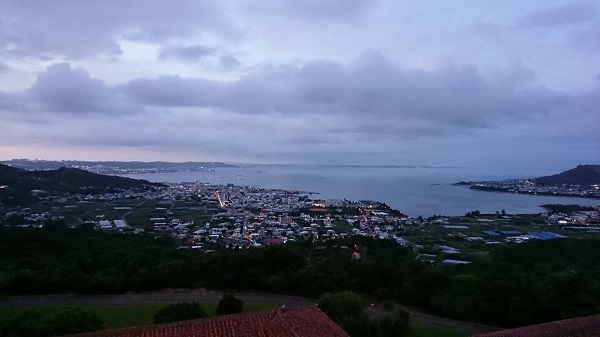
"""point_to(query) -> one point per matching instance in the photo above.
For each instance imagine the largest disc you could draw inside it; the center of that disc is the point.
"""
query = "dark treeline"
(567, 209)
(516, 285)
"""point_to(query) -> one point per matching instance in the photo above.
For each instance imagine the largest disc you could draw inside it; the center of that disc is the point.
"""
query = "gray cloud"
(185, 53)
(61, 89)
(315, 10)
(386, 99)
(78, 29)
(174, 91)
(229, 61)
(372, 87)
(586, 39)
(557, 16)
(11, 102)
(279, 110)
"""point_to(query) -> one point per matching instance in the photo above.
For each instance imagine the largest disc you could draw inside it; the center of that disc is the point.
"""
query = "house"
(301, 322)
(588, 326)
(272, 241)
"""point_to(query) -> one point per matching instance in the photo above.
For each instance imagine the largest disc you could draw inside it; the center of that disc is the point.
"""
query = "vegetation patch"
(429, 331)
(111, 316)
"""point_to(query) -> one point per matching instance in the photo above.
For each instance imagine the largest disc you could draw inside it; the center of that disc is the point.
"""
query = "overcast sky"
(507, 83)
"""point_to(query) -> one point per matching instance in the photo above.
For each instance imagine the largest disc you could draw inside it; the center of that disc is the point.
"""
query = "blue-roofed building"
(509, 232)
(547, 235)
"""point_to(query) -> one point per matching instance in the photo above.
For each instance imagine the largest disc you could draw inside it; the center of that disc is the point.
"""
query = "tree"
(32, 323)
(342, 305)
(229, 305)
(25, 323)
(179, 312)
(346, 309)
(396, 325)
(473, 214)
(71, 321)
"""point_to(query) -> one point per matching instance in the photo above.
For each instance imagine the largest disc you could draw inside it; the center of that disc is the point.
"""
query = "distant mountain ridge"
(113, 167)
(584, 175)
(16, 184)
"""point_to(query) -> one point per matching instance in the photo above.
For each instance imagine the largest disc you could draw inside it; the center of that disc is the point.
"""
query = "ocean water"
(415, 191)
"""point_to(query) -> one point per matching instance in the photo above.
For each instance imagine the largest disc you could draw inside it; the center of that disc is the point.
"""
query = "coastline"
(414, 191)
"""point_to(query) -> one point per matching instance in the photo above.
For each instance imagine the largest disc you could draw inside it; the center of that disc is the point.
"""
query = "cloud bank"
(303, 82)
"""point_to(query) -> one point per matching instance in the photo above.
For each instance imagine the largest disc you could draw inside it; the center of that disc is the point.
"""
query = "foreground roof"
(588, 326)
(304, 322)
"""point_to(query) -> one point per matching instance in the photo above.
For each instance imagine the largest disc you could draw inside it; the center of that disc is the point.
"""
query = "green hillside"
(17, 184)
(581, 175)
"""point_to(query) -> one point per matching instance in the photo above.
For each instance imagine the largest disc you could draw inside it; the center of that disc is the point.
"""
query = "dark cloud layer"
(557, 16)
(85, 28)
(63, 90)
(372, 88)
(385, 98)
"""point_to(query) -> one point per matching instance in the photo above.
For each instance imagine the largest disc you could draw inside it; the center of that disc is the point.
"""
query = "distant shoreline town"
(204, 216)
(528, 186)
(116, 167)
(138, 167)
(582, 182)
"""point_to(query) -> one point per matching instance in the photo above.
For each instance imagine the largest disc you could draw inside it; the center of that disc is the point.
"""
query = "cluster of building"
(518, 237)
(255, 217)
(527, 186)
(574, 219)
(587, 221)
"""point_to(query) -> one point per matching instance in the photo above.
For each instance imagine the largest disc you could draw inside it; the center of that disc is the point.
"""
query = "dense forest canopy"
(516, 285)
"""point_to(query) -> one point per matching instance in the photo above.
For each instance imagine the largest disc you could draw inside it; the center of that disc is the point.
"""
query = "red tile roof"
(304, 322)
(588, 326)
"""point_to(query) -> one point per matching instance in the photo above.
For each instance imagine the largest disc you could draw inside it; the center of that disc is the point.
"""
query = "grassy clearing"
(427, 331)
(123, 315)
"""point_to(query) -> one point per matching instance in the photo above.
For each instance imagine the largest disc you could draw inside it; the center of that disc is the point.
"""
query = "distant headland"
(582, 181)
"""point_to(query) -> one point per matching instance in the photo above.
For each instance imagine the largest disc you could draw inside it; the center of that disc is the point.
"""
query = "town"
(529, 186)
(206, 217)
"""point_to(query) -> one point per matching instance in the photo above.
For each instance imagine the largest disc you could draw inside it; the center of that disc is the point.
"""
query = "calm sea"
(412, 190)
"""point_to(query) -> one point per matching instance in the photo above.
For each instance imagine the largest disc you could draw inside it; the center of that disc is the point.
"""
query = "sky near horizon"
(450, 83)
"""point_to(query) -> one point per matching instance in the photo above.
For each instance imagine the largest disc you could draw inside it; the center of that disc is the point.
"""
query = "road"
(213, 297)
(161, 297)
(438, 322)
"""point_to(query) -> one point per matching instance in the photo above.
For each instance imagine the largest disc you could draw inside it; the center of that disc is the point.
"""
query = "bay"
(424, 191)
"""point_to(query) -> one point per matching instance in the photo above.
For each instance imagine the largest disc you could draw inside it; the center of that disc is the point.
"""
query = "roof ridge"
(287, 323)
(262, 326)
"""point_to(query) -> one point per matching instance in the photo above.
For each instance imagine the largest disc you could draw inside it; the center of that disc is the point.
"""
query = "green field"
(427, 331)
(123, 315)
(130, 315)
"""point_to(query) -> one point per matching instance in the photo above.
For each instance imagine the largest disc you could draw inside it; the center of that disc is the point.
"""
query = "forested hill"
(584, 175)
(17, 183)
